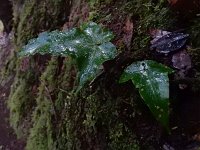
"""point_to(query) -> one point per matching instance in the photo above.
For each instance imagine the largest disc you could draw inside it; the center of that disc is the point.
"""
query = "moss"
(194, 47)
(32, 17)
(64, 120)
(83, 121)
(96, 3)
(20, 104)
(145, 14)
(95, 13)
(195, 55)
(148, 15)
(195, 33)
(102, 115)
(49, 115)
(41, 134)
(122, 138)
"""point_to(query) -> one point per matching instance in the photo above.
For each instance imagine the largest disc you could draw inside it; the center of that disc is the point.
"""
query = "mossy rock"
(30, 18)
(33, 17)
(51, 100)
(104, 119)
(21, 103)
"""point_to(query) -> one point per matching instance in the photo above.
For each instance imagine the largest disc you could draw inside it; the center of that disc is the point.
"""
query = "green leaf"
(151, 78)
(101, 50)
(89, 45)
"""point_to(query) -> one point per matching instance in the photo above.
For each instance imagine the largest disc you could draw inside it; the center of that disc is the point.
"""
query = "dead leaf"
(181, 60)
(128, 32)
(165, 42)
(157, 34)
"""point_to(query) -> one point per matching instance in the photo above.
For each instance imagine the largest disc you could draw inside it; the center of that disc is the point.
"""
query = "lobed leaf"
(151, 78)
(89, 45)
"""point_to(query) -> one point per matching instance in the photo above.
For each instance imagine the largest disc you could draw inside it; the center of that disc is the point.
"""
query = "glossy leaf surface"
(169, 42)
(89, 45)
(151, 78)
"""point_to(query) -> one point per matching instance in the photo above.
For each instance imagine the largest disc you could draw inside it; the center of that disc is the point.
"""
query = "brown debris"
(181, 60)
(128, 32)
(157, 34)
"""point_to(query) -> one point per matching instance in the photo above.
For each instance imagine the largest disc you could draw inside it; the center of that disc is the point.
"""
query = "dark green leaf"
(89, 45)
(151, 78)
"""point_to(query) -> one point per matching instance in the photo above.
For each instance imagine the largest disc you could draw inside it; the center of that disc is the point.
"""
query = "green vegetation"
(63, 120)
(29, 19)
(34, 17)
(21, 102)
(152, 80)
(195, 33)
(194, 50)
(50, 114)
(88, 121)
(41, 134)
(148, 15)
(89, 45)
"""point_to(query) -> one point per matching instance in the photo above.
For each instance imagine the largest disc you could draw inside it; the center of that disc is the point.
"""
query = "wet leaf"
(151, 78)
(169, 42)
(89, 45)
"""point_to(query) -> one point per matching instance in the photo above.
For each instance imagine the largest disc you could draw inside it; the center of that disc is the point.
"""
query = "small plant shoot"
(151, 78)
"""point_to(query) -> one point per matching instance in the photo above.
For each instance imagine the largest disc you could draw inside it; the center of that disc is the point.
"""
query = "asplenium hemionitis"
(151, 78)
(90, 46)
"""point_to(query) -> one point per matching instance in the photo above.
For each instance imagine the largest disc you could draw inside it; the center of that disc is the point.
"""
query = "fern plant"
(90, 46)
(151, 78)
